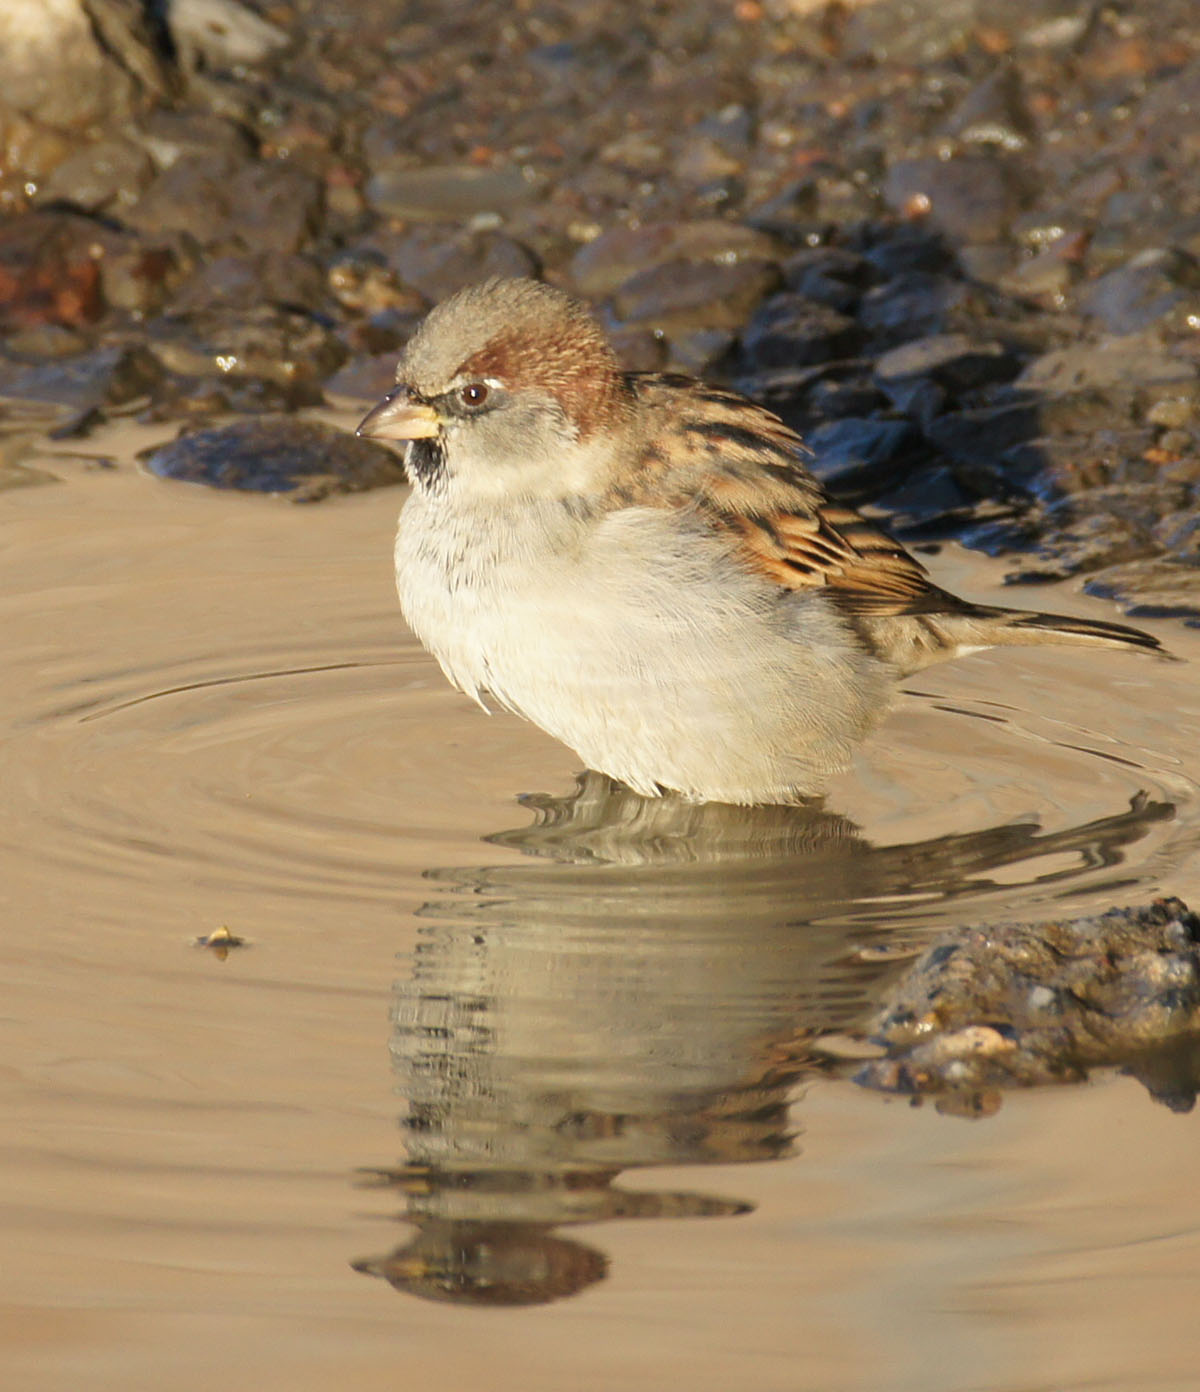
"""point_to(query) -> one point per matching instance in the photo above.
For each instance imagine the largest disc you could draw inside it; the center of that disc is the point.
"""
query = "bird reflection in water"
(650, 988)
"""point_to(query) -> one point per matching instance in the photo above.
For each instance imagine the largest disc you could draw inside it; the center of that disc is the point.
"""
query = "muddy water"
(533, 1094)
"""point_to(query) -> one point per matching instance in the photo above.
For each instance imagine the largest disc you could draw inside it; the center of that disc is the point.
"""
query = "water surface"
(539, 1093)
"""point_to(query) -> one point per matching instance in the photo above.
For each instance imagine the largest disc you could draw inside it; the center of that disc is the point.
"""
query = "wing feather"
(742, 467)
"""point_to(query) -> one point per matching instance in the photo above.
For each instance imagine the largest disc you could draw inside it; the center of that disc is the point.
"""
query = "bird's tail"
(954, 628)
(1007, 626)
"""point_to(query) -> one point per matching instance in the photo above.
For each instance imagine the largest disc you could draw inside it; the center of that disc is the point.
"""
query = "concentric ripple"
(239, 710)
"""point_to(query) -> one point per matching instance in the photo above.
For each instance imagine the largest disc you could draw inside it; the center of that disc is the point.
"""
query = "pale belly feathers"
(659, 671)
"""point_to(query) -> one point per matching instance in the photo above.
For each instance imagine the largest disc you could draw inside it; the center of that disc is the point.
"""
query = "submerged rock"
(1023, 1004)
(305, 460)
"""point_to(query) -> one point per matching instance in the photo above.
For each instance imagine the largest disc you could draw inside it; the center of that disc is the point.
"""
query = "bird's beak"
(399, 417)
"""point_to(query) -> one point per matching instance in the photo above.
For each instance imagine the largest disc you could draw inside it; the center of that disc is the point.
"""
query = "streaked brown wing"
(743, 468)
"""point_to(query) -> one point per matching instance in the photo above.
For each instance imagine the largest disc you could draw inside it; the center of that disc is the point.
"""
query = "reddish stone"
(48, 272)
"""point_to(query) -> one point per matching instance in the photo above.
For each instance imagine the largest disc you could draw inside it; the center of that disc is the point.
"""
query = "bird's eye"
(473, 394)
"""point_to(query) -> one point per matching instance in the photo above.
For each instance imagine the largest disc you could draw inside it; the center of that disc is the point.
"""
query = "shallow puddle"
(536, 1094)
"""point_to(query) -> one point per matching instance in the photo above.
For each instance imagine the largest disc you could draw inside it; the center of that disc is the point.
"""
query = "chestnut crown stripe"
(579, 370)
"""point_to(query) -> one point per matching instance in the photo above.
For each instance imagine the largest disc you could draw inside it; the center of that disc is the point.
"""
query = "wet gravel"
(1023, 1004)
(957, 244)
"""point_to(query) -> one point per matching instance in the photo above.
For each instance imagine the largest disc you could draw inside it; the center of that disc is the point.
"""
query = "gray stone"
(971, 197)
(304, 459)
(265, 342)
(1155, 289)
(443, 192)
(1155, 587)
(612, 258)
(110, 174)
(790, 331)
(85, 381)
(436, 261)
(1109, 363)
(951, 360)
(679, 296)
(222, 202)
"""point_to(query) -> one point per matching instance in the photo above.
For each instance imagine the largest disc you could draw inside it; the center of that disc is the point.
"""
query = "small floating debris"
(220, 942)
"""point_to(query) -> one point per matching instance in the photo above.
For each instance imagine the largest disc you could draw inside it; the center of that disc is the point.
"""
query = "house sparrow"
(641, 564)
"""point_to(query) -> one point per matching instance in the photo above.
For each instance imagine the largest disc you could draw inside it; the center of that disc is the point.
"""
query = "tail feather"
(915, 641)
(1058, 628)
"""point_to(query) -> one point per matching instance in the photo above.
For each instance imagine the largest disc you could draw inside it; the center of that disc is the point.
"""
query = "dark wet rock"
(680, 296)
(972, 198)
(1038, 160)
(439, 193)
(914, 304)
(908, 249)
(609, 261)
(1157, 587)
(982, 434)
(790, 331)
(84, 381)
(828, 275)
(1156, 286)
(835, 397)
(1089, 543)
(930, 504)
(303, 459)
(1060, 465)
(856, 453)
(107, 176)
(953, 361)
(1020, 1005)
(266, 342)
(239, 282)
(436, 261)
(221, 202)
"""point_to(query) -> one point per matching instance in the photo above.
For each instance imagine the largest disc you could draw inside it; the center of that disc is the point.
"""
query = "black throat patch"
(425, 461)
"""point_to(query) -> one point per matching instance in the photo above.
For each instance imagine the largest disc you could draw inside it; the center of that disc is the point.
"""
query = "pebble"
(264, 342)
(613, 258)
(445, 192)
(437, 260)
(970, 197)
(791, 331)
(81, 382)
(675, 297)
